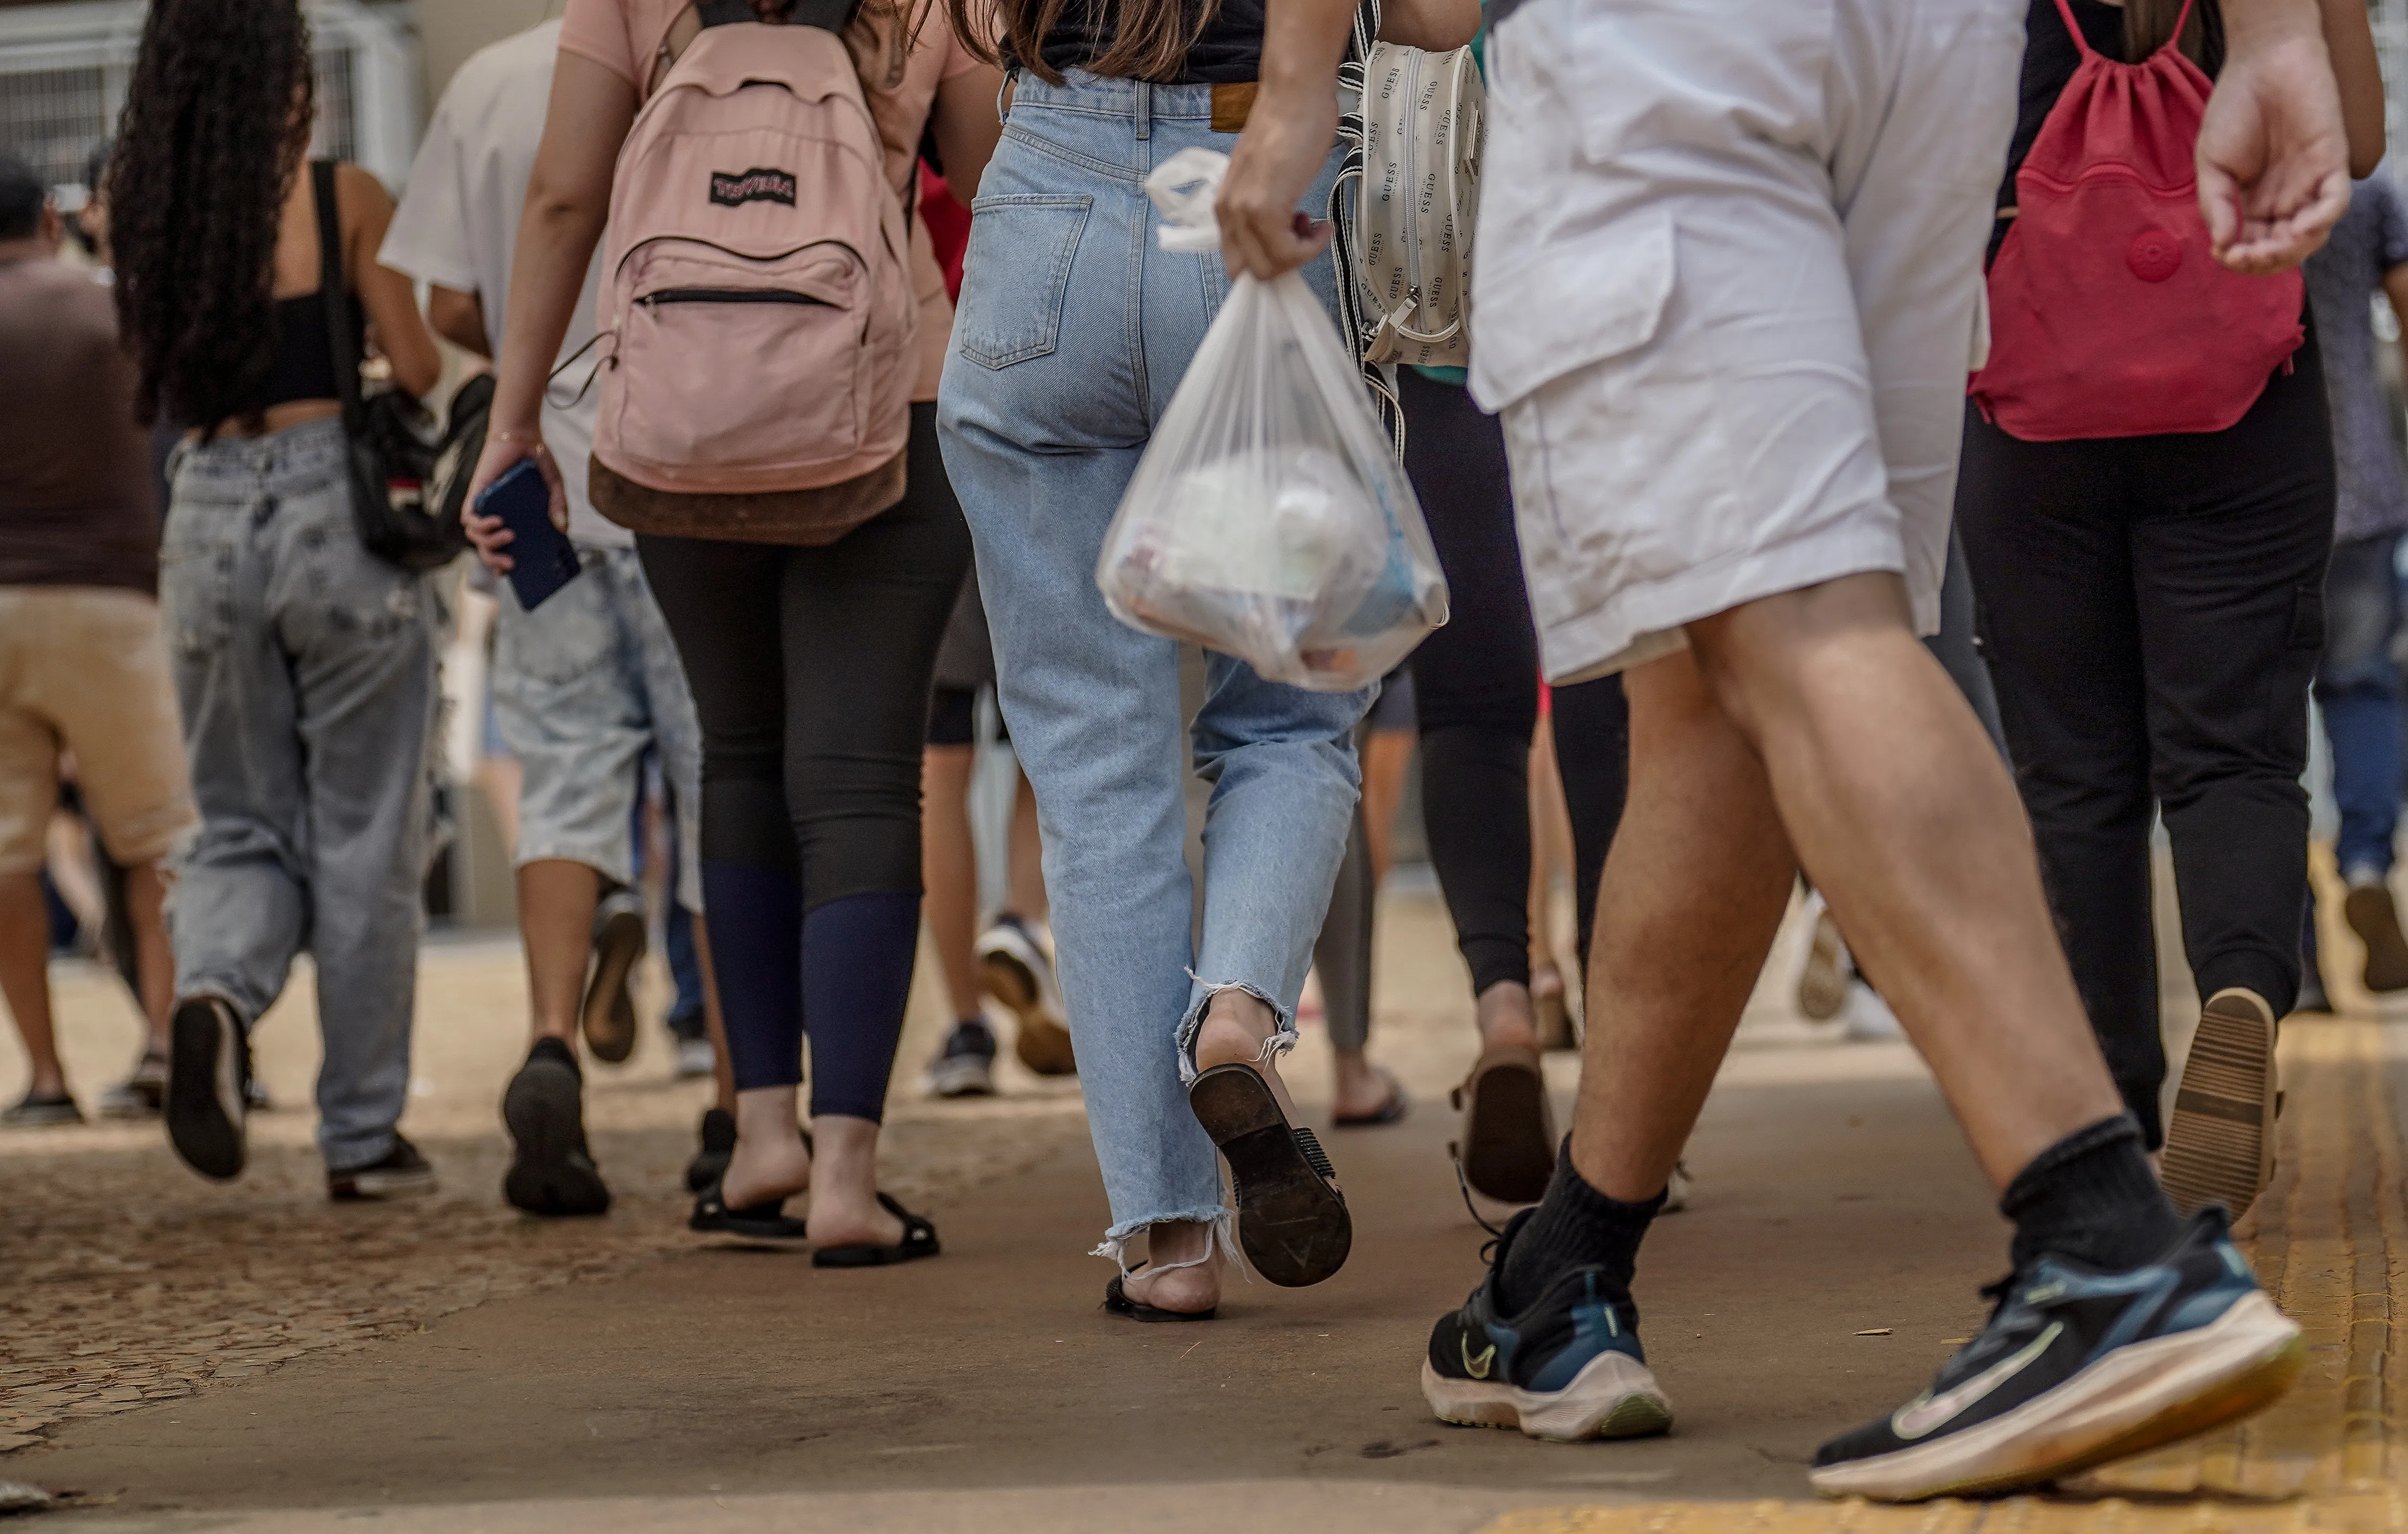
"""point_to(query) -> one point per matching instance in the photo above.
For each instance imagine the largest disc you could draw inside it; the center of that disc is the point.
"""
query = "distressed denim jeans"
(305, 671)
(1073, 331)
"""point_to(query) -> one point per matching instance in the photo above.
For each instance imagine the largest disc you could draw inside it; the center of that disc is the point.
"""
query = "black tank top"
(305, 363)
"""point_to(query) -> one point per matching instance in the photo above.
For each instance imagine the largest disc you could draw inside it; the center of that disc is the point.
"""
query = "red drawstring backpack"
(2109, 315)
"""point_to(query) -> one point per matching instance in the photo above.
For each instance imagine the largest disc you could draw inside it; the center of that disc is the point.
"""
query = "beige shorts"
(1728, 290)
(83, 669)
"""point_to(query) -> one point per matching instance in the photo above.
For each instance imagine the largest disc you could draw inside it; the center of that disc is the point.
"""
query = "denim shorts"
(583, 686)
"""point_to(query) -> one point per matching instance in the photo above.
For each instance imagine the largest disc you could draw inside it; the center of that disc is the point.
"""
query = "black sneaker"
(552, 1169)
(2077, 1368)
(209, 1072)
(38, 1110)
(1568, 1368)
(710, 1163)
(964, 1067)
(399, 1173)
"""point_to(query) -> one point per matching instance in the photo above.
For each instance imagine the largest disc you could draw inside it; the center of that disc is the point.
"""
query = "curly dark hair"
(216, 119)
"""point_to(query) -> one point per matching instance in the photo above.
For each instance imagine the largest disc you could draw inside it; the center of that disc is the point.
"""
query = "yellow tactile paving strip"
(2331, 1243)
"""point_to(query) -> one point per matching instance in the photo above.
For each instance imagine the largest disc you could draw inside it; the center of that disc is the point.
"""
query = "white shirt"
(458, 224)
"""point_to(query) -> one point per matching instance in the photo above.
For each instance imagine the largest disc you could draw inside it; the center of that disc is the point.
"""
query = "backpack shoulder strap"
(342, 344)
(2064, 9)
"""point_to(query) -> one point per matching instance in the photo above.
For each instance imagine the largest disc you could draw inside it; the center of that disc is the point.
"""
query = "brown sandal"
(1508, 1151)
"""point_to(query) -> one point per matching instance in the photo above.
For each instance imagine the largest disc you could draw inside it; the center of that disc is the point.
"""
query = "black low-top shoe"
(551, 1170)
(1568, 1368)
(2077, 1368)
(209, 1075)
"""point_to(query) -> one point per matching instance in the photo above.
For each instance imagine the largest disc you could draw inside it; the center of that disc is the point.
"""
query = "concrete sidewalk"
(1831, 1261)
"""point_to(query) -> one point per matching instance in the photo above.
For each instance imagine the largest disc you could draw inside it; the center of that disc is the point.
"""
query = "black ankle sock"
(1574, 1226)
(2091, 1196)
(548, 1048)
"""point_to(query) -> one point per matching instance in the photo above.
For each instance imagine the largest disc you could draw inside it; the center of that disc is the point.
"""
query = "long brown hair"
(1149, 38)
(2147, 24)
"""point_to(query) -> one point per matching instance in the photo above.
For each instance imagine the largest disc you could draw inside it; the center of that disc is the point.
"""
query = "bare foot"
(1505, 1016)
(769, 1161)
(1235, 1025)
(1362, 1088)
(845, 1211)
(1191, 1288)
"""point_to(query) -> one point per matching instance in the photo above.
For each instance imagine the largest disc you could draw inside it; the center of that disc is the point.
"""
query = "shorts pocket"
(569, 638)
(1578, 302)
(1022, 245)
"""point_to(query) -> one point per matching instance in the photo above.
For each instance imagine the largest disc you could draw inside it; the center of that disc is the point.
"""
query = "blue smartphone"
(542, 560)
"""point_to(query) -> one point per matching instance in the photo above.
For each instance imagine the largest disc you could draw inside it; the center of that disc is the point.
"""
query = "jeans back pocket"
(1022, 245)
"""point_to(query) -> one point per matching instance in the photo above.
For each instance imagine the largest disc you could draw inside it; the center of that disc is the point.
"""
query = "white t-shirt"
(458, 224)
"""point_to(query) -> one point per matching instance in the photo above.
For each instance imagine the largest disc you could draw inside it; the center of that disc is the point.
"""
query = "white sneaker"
(1016, 968)
(1868, 1018)
(1823, 985)
(694, 1058)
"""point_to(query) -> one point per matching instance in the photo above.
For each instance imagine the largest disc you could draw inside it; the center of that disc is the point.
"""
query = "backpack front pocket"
(739, 370)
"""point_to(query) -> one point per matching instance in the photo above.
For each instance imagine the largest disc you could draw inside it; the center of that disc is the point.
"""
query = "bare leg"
(1903, 814)
(1387, 756)
(1024, 888)
(949, 870)
(557, 902)
(500, 777)
(25, 975)
(146, 897)
(769, 1161)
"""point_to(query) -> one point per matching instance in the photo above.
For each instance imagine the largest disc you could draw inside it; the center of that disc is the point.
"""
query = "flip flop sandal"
(919, 1240)
(1508, 1150)
(1292, 1223)
(763, 1222)
(1117, 1301)
(1396, 1106)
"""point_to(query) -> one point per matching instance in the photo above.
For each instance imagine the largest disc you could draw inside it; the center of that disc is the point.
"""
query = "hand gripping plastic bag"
(1268, 518)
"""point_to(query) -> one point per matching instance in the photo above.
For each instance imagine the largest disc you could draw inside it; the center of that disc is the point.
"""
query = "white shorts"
(1728, 290)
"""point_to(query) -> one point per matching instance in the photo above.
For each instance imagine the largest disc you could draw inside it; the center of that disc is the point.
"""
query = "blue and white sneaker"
(2077, 1368)
(1568, 1368)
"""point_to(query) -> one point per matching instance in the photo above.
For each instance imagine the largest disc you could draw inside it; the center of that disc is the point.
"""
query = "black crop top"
(305, 362)
(1228, 52)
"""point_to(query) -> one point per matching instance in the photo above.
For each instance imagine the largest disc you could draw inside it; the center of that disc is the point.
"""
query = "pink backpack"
(2108, 314)
(756, 303)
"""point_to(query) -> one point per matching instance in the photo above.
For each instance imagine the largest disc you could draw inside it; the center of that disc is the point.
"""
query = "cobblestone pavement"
(126, 1280)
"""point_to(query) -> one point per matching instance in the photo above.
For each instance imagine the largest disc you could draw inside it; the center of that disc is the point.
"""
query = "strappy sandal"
(919, 1240)
(1508, 1150)
(1117, 1301)
(1292, 1220)
(767, 1221)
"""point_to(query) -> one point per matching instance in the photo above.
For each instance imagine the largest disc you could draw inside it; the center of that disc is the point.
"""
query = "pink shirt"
(625, 36)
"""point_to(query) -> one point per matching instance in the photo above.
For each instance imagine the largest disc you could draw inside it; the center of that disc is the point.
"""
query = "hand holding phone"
(542, 560)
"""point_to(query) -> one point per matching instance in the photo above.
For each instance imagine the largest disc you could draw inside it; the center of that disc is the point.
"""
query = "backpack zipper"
(729, 295)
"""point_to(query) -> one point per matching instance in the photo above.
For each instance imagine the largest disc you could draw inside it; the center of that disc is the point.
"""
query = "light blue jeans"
(305, 670)
(1073, 331)
(583, 687)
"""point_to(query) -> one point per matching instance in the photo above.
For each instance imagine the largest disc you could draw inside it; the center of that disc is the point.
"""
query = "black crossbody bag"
(392, 464)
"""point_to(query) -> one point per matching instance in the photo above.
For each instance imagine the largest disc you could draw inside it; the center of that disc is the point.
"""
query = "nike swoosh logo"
(1928, 1411)
(1476, 1367)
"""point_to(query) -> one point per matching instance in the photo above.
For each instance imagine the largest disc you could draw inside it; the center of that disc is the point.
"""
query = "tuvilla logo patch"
(734, 189)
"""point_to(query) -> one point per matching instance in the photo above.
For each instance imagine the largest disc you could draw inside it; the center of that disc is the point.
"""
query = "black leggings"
(2152, 610)
(809, 669)
(1476, 687)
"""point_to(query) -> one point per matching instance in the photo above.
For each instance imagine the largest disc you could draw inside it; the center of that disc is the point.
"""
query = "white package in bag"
(1268, 518)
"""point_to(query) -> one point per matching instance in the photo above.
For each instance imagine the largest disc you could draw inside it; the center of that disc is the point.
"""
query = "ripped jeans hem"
(1282, 1037)
(1223, 1243)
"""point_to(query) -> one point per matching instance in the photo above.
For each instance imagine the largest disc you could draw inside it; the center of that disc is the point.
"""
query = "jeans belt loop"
(1144, 110)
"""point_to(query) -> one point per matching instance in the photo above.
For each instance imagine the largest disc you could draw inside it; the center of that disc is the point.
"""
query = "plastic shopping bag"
(1268, 518)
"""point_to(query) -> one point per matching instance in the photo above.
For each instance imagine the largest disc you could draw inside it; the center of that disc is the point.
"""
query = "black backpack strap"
(342, 340)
